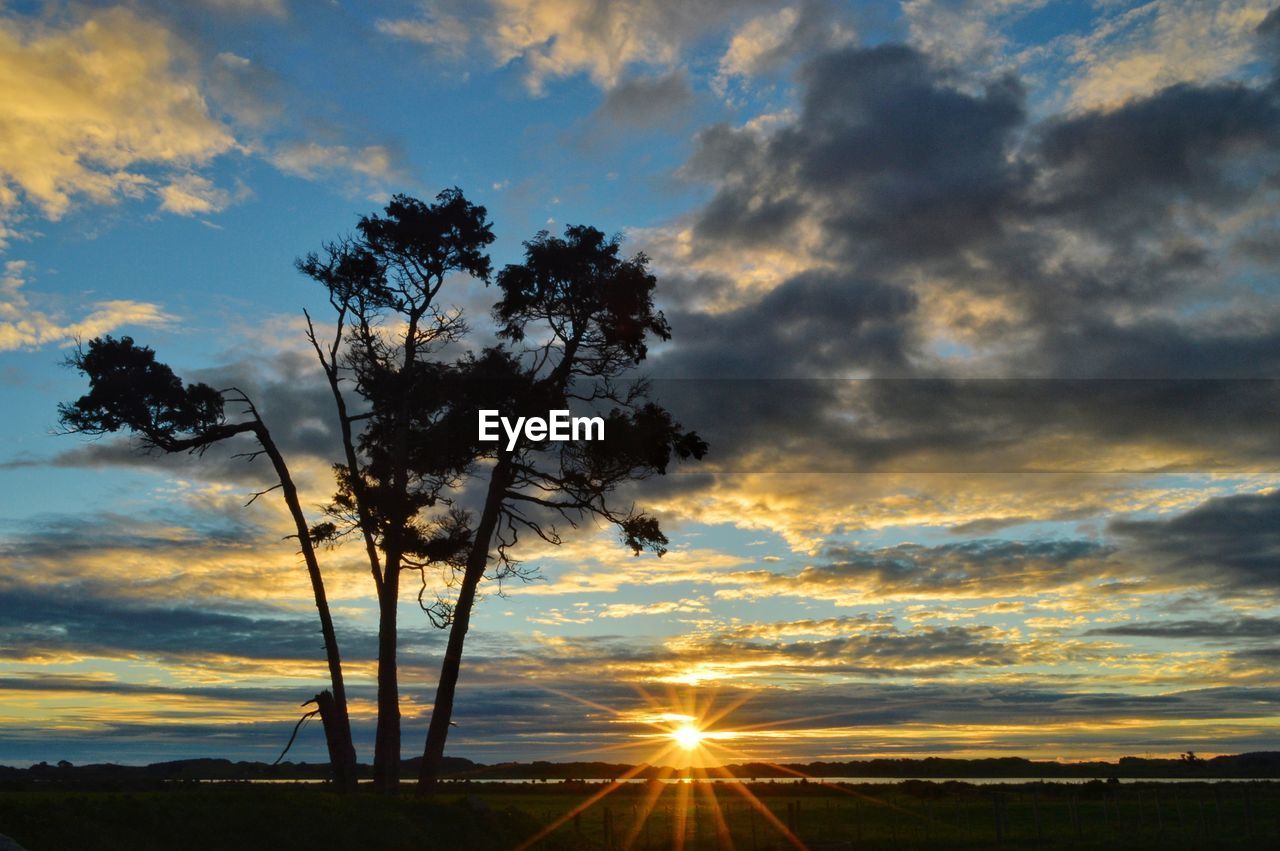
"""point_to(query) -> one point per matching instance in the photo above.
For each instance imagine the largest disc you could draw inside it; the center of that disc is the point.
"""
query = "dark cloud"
(1226, 546)
(1249, 349)
(909, 185)
(65, 537)
(1232, 542)
(1268, 656)
(967, 566)
(1198, 630)
(52, 621)
(1120, 169)
(886, 154)
(986, 426)
(978, 568)
(1269, 34)
(884, 653)
(46, 682)
(1094, 231)
(811, 325)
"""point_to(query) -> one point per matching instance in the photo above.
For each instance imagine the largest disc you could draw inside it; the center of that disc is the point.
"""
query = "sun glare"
(688, 737)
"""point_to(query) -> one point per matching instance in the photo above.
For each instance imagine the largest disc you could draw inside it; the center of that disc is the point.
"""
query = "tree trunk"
(386, 754)
(337, 730)
(477, 561)
(338, 738)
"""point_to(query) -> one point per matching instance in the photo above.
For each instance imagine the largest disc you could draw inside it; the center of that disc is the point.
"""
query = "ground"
(195, 816)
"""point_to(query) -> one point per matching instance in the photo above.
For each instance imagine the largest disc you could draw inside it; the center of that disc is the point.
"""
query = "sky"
(975, 302)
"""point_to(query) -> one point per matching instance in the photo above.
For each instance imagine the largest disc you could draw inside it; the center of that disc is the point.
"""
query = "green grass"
(239, 816)
(898, 816)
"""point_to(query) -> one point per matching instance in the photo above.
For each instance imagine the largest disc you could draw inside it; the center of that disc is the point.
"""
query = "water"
(975, 781)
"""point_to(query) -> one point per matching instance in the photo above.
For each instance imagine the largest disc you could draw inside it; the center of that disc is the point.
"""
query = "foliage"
(130, 390)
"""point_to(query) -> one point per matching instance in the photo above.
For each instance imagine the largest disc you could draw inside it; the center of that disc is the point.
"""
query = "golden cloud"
(90, 107)
(23, 326)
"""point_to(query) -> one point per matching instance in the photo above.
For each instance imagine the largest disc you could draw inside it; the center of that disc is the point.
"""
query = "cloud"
(94, 108)
(372, 167)
(755, 43)
(811, 458)
(887, 160)
(820, 721)
(766, 42)
(978, 569)
(648, 102)
(1138, 51)
(1226, 546)
(1085, 245)
(23, 326)
(665, 607)
(1198, 630)
(935, 280)
(921, 652)
(562, 38)
(886, 152)
(861, 321)
(253, 94)
(54, 624)
(962, 33)
(1105, 164)
(192, 194)
(598, 564)
(1232, 542)
(567, 37)
(1269, 34)
(434, 28)
(613, 43)
(270, 8)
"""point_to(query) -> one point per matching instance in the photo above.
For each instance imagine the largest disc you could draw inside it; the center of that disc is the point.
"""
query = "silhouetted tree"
(403, 452)
(129, 390)
(581, 317)
(573, 321)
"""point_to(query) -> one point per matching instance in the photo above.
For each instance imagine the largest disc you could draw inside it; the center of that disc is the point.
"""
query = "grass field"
(897, 816)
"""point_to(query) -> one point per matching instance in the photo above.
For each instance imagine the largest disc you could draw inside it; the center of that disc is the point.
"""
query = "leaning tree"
(130, 391)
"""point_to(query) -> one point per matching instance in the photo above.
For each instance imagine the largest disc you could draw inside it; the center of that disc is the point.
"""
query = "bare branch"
(254, 498)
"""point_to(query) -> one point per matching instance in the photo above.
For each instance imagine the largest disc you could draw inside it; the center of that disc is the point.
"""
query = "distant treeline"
(1263, 764)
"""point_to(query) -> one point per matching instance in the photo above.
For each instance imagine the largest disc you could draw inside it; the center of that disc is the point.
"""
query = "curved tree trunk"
(477, 561)
(337, 723)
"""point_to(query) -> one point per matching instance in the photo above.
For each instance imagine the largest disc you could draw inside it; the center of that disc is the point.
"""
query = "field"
(897, 816)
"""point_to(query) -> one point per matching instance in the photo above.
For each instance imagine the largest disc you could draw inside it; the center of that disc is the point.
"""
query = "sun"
(688, 737)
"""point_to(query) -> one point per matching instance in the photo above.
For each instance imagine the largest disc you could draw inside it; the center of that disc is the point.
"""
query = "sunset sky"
(975, 301)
